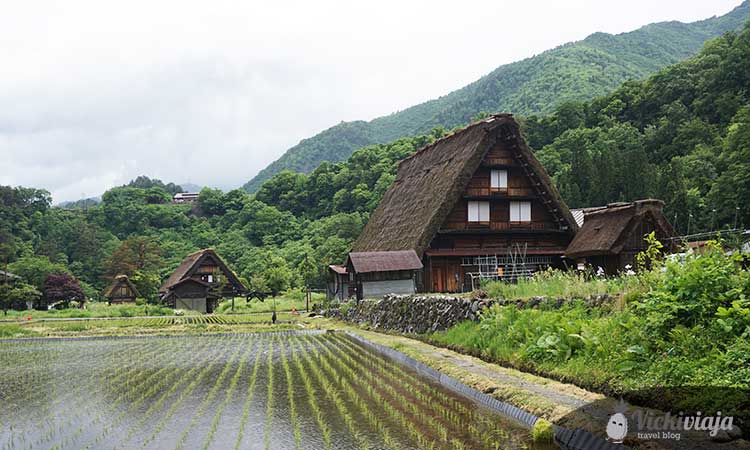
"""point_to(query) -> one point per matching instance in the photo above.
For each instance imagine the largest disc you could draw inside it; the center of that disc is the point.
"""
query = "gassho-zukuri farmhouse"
(477, 204)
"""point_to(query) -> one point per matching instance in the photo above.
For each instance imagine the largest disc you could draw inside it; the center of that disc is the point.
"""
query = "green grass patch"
(571, 284)
(94, 309)
(12, 330)
(688, 326)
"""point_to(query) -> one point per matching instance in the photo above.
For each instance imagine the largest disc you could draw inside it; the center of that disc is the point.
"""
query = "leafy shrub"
(691, 292)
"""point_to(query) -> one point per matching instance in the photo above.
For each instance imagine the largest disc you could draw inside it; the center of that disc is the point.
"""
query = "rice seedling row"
(461, 415)
(401, 408)
(86, 386)
(320, 418)
(156, 383)
(248, 400)
(121, 383)
(247, 391)
(361, 401)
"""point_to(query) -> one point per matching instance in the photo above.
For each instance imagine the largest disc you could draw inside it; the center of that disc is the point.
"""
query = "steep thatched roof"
(430, 182)
(365, 262)
(606, 230)
(190, 264)
(116, 282)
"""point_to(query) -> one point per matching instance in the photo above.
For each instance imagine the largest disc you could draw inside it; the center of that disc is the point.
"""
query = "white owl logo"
(617, 427)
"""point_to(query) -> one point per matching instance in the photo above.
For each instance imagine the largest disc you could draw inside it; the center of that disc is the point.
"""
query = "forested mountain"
(576, 71)
(682, 135)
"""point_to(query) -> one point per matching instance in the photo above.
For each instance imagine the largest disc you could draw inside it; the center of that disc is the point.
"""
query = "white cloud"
(94, 93)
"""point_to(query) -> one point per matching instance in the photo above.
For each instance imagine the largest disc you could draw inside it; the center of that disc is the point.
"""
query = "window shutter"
(515, 215)
(499, 179)
(473, 212)
(520, 211)
(525, 211)
(484, 211)
(479, 211)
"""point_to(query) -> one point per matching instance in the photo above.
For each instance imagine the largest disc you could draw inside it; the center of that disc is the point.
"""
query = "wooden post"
(307, 300)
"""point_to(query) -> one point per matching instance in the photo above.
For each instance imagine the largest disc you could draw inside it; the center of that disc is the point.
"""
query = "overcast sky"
(94, 93)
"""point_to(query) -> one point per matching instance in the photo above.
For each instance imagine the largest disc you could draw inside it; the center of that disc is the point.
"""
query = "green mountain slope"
(576, 71)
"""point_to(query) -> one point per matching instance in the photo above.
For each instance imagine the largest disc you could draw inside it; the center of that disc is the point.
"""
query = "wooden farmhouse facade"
(611, 236)
(199, 282)
(473, 205)
(121, 290)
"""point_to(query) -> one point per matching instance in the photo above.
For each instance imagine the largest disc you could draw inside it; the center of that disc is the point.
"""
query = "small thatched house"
(199, 282)
(121, 290)
(611, 236)
(473, 205)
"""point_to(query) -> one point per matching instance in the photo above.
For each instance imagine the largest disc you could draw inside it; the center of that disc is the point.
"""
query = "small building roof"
(605, 229)
(390, 261)
(341, 270)
(116, 282)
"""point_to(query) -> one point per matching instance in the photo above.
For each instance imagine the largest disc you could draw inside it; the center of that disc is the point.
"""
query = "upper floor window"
(498, 179)
(479, 211)
(520, 211)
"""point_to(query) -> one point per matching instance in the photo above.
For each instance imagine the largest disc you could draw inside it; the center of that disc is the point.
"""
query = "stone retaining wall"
(423, 314)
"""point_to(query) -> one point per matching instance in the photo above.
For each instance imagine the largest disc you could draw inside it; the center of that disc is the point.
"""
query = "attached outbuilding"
(374, 274)
(199, 282)
(121, 290)
(611, 236)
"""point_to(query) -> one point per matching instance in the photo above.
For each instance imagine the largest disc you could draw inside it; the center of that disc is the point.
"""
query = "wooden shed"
(199, 282)
(374, 274)
(474, 205)
(612, 235)
(339, 286)
(121, 290)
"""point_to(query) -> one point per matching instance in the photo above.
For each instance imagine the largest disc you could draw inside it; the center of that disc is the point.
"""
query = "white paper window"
(520, 211)
(499, 179)
(479, 211)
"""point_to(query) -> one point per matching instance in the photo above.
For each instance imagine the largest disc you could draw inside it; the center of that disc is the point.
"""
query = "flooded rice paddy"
(251, 391)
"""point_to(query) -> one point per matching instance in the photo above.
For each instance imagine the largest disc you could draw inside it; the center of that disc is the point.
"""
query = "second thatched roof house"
(199, 282)
(121, 290)
(473, 205)
(611, 236)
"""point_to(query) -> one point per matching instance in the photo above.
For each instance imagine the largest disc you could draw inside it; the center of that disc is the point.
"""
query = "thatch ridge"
(430, 182)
